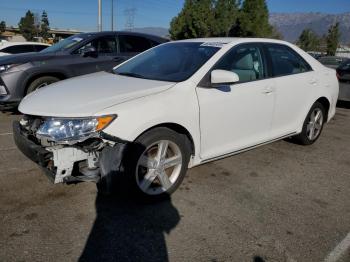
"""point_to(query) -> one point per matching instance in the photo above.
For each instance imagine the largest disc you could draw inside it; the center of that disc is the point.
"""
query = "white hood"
(86, 95)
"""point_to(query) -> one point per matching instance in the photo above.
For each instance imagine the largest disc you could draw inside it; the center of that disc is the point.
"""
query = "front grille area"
(30, 125)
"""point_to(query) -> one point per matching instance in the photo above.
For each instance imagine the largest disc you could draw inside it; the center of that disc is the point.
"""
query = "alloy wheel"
(314, 126)
(159, 167)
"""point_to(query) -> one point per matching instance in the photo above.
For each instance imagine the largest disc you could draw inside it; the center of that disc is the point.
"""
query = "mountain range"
(290, 25)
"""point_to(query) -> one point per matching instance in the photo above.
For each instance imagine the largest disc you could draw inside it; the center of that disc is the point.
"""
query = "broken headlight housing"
(71, 130)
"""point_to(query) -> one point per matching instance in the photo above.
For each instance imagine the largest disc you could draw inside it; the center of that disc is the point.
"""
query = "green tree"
(253, 20)
(44, 26)
(275, 33)
(193, 21)
(309, 41)
(225, 16)
(2, 26)
(27, 27)
(333, 39)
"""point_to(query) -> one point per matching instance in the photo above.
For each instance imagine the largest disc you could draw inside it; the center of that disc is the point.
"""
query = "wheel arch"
(177, 128)
(325, 102)
(33, 77)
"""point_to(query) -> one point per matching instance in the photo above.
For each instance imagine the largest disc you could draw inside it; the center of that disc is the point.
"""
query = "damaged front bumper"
(88, 161)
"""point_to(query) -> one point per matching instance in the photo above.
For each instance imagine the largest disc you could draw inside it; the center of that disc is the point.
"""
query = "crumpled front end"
(83, 160)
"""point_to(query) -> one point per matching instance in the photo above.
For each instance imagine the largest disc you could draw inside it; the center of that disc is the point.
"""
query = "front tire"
(313, 125)
(155, 164)
(41, 82)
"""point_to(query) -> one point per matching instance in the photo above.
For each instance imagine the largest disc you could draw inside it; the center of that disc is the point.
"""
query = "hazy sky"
(82, 14)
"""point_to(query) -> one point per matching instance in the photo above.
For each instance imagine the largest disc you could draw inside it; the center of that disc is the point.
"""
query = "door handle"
(313, 81)
(267, 90)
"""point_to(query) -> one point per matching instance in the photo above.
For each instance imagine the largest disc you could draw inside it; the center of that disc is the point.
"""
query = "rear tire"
(313, 125)
(41, 82)
(154, 166)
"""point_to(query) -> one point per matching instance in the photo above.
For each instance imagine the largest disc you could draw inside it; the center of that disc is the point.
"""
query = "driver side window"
(104, 45)
(246, 61)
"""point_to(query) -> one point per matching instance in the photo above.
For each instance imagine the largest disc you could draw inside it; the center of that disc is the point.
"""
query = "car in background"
(178, 105)
(331, 61)
(343, 74)
(10, 48)
(76, 55)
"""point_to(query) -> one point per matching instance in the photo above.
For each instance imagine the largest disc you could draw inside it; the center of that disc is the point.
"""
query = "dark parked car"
(343, 73)
(77, 55)
(331, 61)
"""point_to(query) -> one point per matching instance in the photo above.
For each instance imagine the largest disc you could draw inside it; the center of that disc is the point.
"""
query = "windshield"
(65, 44)
(173, 62)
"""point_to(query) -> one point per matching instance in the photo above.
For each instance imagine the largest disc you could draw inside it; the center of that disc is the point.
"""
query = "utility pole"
(99, 25)
(112, 25)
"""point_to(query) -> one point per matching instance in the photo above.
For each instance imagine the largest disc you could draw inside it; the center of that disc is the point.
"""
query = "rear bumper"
(33, 151)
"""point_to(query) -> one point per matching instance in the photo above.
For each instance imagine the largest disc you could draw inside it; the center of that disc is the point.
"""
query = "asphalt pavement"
(280, 202)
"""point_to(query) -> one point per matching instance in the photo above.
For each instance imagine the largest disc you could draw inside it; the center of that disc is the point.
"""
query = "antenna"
(130, 16)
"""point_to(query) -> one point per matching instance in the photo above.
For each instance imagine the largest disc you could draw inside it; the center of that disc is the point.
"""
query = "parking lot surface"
(280, 202)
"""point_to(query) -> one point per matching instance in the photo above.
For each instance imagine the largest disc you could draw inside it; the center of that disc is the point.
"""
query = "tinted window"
(133, 44)
(17, 49)
(345, 66)
(103, 45)
(286, 61)
(331, 60)
(174, 62)
(66, 44)
(246, 61)
(38, 48)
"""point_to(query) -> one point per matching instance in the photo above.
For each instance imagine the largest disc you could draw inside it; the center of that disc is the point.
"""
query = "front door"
(107, 56)
(237, 116)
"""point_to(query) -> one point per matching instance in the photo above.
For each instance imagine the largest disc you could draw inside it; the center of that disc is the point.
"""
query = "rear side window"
(285, 61)
(17, 49)
(133, 44)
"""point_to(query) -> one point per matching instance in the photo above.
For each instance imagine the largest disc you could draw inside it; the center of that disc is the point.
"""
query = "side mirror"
(89, 51)
(223, 77)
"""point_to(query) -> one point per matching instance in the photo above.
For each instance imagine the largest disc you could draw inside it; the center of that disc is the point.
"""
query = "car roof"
(152, 37)
(232, 40)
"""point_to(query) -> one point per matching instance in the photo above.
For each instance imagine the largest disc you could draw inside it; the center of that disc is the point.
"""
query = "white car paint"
(220, 123)
(85, 99)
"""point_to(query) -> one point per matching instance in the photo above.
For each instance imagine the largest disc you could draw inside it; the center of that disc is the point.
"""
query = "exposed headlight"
(67, 130)
(4, 68)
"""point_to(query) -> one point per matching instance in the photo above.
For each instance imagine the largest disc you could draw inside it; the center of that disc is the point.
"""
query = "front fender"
(177, 105)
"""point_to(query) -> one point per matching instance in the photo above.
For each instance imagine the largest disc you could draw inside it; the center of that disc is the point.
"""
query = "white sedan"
(174, 107)
(11, 48)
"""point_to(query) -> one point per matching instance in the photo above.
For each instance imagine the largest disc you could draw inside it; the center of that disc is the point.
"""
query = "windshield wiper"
(131, 74)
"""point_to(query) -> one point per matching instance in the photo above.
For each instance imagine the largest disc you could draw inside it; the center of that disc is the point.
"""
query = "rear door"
(294, 84)
(131, 45)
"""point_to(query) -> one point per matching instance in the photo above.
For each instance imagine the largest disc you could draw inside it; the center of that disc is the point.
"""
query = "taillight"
(338, 76)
